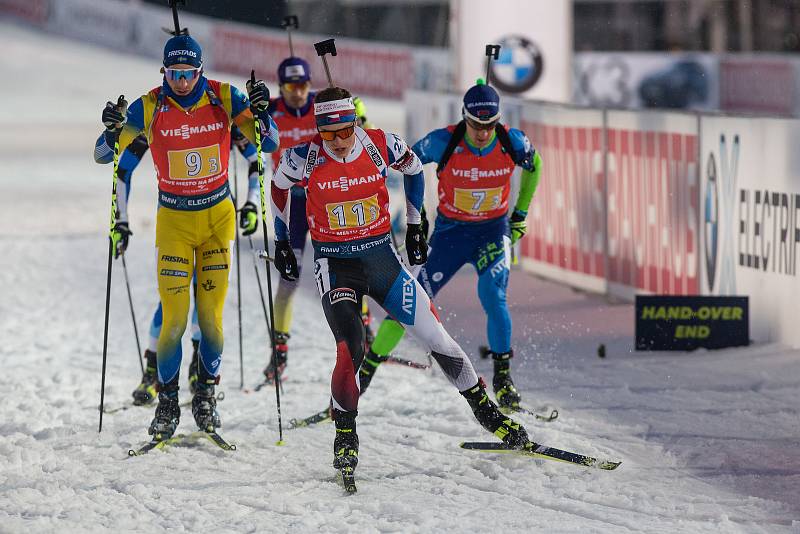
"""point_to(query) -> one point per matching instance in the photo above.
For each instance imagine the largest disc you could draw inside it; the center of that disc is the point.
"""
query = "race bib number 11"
(194, 163)
(353, 214)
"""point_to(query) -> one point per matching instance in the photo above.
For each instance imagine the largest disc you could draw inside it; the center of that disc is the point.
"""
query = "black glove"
(248, 218)
(285, 261)
(114, 115)
(119, 238)
(258, 92)
(416, 245)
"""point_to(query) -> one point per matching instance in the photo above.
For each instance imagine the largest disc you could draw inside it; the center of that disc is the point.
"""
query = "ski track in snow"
(708, 440)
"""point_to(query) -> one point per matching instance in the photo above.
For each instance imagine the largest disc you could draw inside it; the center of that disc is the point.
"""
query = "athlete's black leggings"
(378, 273)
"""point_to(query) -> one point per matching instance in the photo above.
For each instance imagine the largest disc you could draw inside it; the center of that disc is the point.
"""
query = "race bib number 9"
(194, 163)
(478, 200)
(353, 214)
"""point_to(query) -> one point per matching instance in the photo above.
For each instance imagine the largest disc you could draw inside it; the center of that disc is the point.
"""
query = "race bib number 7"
(194, 163)
(353, 214)
(478, 200)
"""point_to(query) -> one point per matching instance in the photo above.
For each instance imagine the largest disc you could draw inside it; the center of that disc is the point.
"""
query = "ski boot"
(204, 407)
(193, 367)
(512, 433)
(168, 414)
(146, 392)
(345, 444)
(368, 368)
(279, 356)
(504, 391)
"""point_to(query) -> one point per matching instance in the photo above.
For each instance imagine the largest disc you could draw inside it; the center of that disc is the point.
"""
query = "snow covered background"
(709, 441)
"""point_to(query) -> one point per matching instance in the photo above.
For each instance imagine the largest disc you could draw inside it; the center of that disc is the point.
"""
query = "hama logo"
(341, 294)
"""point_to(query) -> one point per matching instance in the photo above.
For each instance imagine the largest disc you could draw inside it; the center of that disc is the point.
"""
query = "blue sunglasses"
(177, 74)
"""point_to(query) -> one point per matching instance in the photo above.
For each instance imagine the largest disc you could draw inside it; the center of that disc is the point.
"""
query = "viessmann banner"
(751, 219)
(536, 39)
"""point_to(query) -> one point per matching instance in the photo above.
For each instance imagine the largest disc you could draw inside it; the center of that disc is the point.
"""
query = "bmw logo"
(519, 66)
(711, 216)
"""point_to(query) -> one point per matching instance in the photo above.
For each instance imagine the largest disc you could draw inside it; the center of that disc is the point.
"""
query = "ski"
(213, 437)
(409, 363)
(542, 452)
(348, 479)
(322, 416)
(545, 415)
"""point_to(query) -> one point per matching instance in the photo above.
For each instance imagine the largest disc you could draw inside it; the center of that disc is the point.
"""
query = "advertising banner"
(669, 322)
(751, 219)
(756, 84)
(566, 220)
(536, 40)
(379, 70)
(653, 203)
(645, 80)
(35, 12)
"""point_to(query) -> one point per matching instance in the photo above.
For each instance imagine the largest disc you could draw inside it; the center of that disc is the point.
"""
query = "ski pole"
(327, 46)
(290, 23)
(174, 5)
(271, 328)
(258, 279)
(121, 105)
(238, 272)
(133, 315)
(492, 52)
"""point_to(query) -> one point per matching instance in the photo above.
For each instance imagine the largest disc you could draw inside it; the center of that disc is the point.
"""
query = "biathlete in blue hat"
(187, 125)
(475, 159)
(145, 392)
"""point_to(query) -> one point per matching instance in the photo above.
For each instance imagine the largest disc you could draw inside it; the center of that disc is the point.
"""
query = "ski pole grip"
(328, 46)
(290, 21)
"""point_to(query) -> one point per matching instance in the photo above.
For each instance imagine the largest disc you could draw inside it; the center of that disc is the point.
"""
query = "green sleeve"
(389, 335)
(529, 181)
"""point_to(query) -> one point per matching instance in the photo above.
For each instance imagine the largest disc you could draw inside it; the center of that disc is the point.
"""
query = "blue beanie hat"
(183, 49)
(293, 70)
(481, 103)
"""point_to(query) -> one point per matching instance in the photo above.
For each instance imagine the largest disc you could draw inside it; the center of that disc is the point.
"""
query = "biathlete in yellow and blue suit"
(187, 123)
(145, 392)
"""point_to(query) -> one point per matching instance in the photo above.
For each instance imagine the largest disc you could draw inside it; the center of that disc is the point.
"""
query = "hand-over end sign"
(667, 322)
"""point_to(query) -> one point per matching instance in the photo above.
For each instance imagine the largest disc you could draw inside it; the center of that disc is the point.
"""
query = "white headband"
(323, 108)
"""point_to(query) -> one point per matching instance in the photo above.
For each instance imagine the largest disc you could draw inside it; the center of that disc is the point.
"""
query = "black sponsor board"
(669, 322)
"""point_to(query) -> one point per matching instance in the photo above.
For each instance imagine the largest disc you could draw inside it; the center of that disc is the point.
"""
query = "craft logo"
(519, 66)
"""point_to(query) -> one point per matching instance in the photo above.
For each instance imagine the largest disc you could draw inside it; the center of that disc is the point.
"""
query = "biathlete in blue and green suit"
(475, 159)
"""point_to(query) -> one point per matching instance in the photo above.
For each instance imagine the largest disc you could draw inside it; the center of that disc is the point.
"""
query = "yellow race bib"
(478, 200)
(353, 214)
(195, 163)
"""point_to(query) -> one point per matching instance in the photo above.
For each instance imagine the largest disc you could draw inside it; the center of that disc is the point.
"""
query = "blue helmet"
(183, 49)
(294, 70)
(481, 104)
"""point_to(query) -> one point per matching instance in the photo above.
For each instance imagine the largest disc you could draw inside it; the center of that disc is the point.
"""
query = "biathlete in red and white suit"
(343, 170)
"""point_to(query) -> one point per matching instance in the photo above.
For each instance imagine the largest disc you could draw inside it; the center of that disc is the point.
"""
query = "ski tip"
(131, 453)
(608, 465)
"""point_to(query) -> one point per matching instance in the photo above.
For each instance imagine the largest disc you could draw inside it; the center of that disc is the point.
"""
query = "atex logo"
(719, 201)
(519, 66)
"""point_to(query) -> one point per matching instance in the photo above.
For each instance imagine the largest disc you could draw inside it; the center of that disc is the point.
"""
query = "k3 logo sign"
(719, 221)
(519, 66)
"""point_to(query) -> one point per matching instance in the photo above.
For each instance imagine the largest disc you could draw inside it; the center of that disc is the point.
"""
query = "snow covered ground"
(708, 440)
